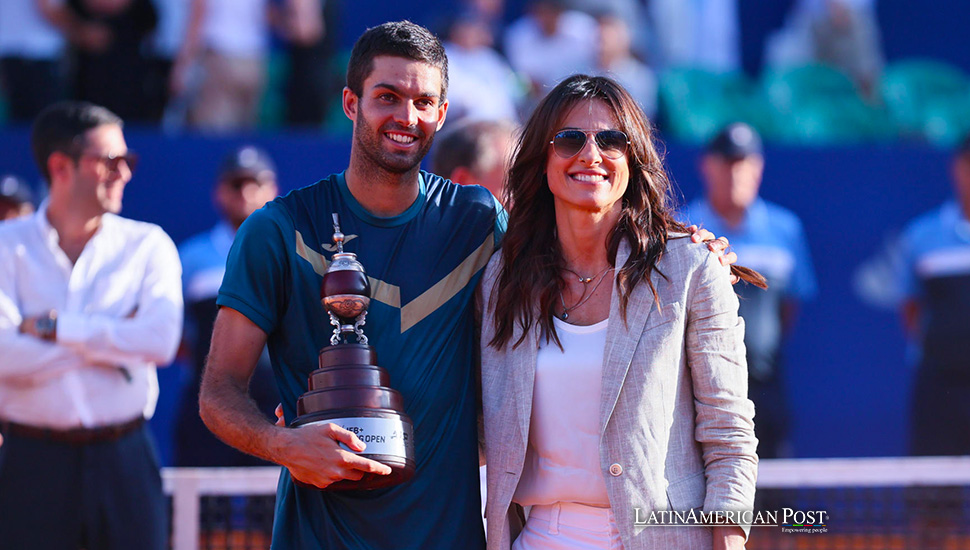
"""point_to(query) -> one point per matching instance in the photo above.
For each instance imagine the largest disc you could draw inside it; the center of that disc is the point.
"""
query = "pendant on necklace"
(564, 316)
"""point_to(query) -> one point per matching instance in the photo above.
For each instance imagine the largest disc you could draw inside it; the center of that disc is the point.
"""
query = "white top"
(549, 59)
(119, 312)
(25, 33)
(236, 28)
(562, 463)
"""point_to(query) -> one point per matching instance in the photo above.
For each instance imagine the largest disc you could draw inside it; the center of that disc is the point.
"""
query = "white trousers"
(568, 526)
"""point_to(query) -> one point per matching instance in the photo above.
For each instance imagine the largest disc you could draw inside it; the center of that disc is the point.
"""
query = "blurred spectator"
(842, 33)
(173, 19)
(32, 68)
(846, 35)
(90, 303)
(246, 181)
(308, 29)
(16, 198)
(927, 273)
(770, 240)
(550, 43)
(114, 74)
(229, 39)
(697, 33)
(615, 59)
(475, 153)
(490, 11)
(481, 84)
(634, 13)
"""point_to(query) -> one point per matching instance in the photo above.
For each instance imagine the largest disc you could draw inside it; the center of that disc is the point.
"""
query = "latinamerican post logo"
(789, 520)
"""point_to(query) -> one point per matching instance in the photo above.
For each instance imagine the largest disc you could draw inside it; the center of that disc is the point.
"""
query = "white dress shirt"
(119, 313)
(562, 462)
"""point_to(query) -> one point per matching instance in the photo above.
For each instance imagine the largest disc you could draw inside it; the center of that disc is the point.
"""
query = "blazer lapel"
(622, 338)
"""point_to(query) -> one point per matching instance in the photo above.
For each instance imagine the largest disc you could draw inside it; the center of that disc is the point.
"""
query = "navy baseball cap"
(15, 189)
(247, 161)
(736, 141)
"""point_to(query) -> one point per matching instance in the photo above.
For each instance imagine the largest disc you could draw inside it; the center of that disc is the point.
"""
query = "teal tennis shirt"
(423, 266)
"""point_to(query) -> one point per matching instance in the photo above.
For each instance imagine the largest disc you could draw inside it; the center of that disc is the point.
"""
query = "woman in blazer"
(613, 372)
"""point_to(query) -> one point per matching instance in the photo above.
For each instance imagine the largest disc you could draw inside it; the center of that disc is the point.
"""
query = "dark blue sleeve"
(501, 222)
(257, 270)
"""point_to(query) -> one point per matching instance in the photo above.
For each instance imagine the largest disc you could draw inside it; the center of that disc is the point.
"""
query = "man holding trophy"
(422, 242)
(408, 250)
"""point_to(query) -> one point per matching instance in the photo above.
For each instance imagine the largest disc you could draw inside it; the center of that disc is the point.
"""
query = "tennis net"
(918, 503)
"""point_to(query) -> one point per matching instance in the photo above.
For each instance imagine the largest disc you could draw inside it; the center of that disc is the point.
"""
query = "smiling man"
(246, 181)
(403, 224)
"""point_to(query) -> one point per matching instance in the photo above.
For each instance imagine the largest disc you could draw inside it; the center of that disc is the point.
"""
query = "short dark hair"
(61, 127)
(397, 39)
(469, 144)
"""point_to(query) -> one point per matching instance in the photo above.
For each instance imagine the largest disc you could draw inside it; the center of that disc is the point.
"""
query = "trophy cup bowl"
(346, 306)
(349, 389)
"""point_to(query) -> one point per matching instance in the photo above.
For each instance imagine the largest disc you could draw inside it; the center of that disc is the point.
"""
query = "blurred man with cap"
(931, 279)
(771, 240)
(16, 199)
(246, 181)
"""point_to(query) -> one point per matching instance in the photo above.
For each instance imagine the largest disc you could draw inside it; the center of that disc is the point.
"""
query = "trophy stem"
(335, 339)
(358, 328)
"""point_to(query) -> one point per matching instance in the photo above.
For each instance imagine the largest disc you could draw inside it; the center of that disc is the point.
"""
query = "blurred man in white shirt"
(89, 303)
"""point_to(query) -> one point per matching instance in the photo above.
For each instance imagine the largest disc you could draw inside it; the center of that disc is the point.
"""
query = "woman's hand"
(719, 245)
(728, 538)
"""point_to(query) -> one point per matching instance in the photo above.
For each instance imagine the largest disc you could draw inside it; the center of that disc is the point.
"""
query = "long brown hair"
(531, 276)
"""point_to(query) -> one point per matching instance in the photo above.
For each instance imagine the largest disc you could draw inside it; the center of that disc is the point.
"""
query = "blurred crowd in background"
(230, 65)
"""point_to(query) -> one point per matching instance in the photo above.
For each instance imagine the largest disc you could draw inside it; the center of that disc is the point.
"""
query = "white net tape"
(865, 494)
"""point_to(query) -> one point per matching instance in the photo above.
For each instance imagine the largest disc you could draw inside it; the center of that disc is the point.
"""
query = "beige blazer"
(677, 426)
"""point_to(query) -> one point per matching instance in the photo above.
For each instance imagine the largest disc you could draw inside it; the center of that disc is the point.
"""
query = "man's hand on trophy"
(314, 456)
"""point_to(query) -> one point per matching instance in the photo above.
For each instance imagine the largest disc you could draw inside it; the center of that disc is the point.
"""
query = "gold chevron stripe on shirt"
(379, 290)
(430, 300)
(445, 289)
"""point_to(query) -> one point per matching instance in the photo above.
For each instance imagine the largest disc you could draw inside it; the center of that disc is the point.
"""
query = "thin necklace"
(587, 293)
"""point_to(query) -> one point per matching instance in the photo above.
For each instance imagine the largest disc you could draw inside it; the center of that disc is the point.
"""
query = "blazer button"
(616, 470)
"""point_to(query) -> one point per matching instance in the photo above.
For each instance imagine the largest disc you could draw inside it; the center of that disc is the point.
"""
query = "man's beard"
(370, 142)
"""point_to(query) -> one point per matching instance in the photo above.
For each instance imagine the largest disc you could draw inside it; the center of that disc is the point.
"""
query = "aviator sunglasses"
(611, 143)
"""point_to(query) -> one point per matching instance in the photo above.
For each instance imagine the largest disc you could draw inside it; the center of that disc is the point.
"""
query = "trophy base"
(388, 435)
